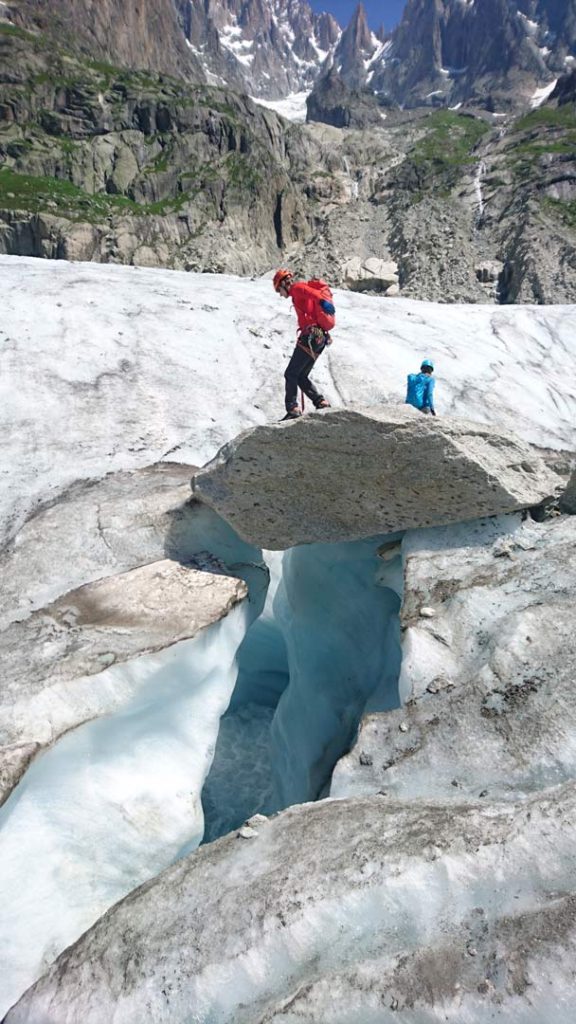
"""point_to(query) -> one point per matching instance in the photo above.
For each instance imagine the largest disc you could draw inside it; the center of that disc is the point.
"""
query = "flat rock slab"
(347, 474)
(49, 660)
(105, 527)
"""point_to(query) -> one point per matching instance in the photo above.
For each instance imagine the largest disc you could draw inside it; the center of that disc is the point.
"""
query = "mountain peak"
(358, 29)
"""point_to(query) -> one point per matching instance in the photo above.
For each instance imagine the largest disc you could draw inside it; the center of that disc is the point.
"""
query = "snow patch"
(453, 72)
(541, 95)
(530, 26)
(379, 55)
(292, 107)
(232, 40)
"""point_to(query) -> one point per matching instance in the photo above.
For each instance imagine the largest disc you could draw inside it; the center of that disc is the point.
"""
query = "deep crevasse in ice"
(341, 628)
(325, 649)
(118, 799)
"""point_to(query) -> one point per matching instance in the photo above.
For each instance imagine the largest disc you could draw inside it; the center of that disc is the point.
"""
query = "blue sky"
(387, 12)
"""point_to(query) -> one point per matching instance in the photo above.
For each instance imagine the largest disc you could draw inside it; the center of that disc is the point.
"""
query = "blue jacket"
(420, 392)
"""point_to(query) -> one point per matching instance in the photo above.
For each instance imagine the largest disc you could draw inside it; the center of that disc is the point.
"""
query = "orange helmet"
(280, 277)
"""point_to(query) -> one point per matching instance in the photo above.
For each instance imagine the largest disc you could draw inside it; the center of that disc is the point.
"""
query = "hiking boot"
(292, 414)
(323, 404)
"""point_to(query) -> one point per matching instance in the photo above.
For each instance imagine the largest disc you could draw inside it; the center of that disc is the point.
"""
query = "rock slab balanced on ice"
(348, 474)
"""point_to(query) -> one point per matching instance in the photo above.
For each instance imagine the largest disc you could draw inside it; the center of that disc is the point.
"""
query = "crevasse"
(325, 649)
(270, 697)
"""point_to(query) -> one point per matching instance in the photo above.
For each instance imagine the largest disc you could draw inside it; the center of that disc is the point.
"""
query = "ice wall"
(240, 782)
(338, 611)
(113, 803)
(325, 648)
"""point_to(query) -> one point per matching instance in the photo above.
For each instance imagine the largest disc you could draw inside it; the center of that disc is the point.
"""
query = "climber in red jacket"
(314, 307)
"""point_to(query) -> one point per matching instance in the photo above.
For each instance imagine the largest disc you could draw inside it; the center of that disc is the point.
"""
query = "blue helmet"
(427, 364)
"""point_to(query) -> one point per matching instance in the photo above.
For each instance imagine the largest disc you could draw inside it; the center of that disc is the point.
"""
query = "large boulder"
(347, 474)
(105, 527)
(371, 275)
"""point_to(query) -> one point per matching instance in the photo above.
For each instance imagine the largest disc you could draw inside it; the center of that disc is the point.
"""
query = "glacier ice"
(340, 628)
(271, 697)
(516, 358)
(112, 803)
(325, 648)
(354, 911)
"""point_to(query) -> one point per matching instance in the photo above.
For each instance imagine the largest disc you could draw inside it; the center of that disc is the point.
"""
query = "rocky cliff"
(494, 54)
(268, 48)
(133, 34)
(99, 163)
(341, 95)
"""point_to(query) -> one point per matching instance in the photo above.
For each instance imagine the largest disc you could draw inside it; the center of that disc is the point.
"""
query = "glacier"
(108, 371)
(117, 799)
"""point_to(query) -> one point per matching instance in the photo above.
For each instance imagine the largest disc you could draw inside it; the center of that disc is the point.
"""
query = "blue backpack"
(417, 386)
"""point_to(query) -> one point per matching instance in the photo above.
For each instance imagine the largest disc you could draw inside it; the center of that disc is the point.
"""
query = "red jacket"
(304, 299)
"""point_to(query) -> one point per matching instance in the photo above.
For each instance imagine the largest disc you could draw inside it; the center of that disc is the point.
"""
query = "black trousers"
(296, 376)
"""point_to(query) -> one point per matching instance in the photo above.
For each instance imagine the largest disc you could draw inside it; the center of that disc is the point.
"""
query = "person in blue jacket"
(420, 391)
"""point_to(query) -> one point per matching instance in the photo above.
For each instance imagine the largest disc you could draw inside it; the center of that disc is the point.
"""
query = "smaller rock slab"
(50, 661)
(345, 474)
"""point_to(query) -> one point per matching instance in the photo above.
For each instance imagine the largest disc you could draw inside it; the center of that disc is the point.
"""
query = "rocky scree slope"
(488, 209)
(466, 207)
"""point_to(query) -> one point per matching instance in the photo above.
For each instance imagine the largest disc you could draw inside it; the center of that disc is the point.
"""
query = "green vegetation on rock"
(28, 193)
(562, 209)
(553, 117)
(443, 151)
(449, 140)
(7, 29)
(241, 174)
(539, 136)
